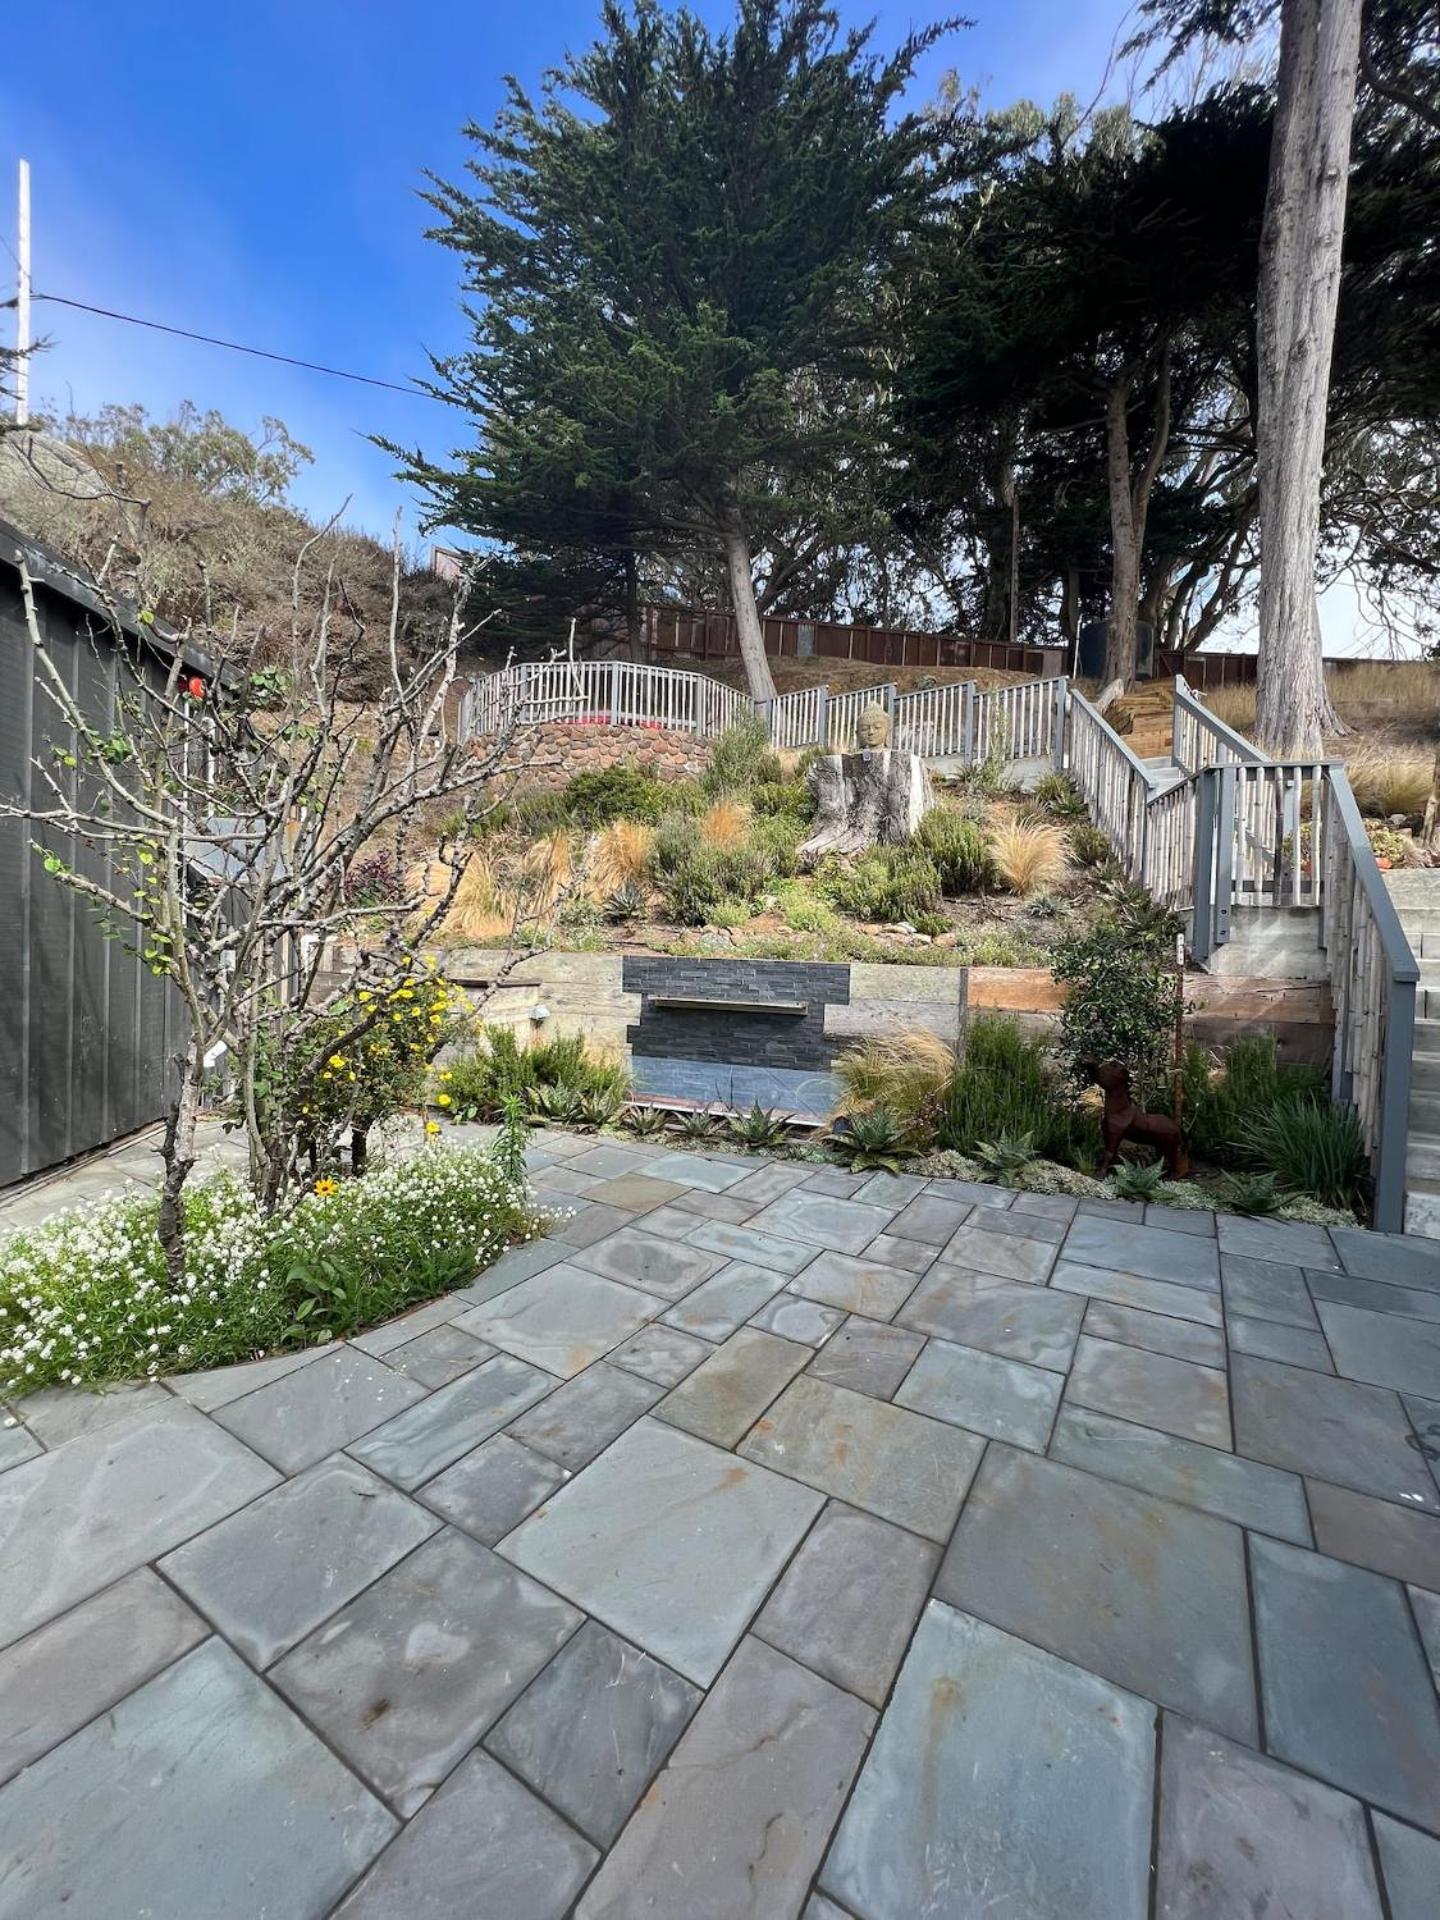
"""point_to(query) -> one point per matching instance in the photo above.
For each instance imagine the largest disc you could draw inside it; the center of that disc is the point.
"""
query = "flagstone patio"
(766, 1542)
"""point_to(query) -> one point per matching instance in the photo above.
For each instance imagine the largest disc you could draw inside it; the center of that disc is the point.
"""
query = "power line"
(236, 346)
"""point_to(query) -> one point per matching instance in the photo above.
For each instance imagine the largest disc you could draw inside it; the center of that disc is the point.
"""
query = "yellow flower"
(365, 997)
(442, 1099)
(445, 1073)
(432, 1126)
(326, 1186)
(337, 1060)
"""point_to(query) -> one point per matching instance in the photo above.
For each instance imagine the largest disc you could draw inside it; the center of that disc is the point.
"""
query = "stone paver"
(867, 1355)
(280, 1566)
(404, 1680)
(900, 1465)
(490, 1491)
(849, 1600)
(1162, 1610)
(563, 1319)
(419, 1443)
(483, 1845)
(300, 1418)
(724, 1398)
(777, 1748)
(200, 1793)
(668, 1540)
(1173, 1396)
(789, 1437)
(1348, 1696)
(594, 1729)
(1235, 1827)
(1002, 1398)
(952, 1815)
(76, 1519)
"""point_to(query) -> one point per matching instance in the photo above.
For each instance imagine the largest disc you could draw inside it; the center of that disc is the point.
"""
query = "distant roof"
(52, 570)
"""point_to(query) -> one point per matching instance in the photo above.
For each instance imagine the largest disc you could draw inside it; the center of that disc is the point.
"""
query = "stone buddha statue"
(871, 797)
(872, 729)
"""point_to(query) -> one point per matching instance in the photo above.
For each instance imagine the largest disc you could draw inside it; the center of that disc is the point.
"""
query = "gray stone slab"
(1002, 1781)
(1011, 1256)
(1133, 1327)
(1220, 1483)
(694, 1170)
(58, 1414)
(867, 1356)
(406, 1678)
(704, 1205)
(1419, 1302)
(768, 1183)
(1199, 1220)
(490, 1491)
(65, 1673)
(1243, 1835)
(1348, 1695)
(1153, 1253)
(836, 1183)
(1424, 1415)
(482, 1845)
(668, 1540)
(911, 1256)
(1021, 1226)
(1356, 1436)
(817, 1907)
(1270, 1340)
(668, 1268)
(1003, 1399)
(1128, 1290)
(890, 1190)
(749, 1244)
(1035, 1324)
(1426, 1607)
(519, 1263)
(398, 1332)
(297, 1420)
(817, 1220)
(930, 1219)
(566, 1180)
(200, 1794)
(662, 1354)
(1288, 1242)
(575, 1422)
(1376, 1534)
(1383, 1349)
(775, 1747)
(723, 1304)
(563, 1319)
(595, 1728)
(900, 1465)
(1410, 1862)
(636, 1192)
(76, 1519)
(669, 1222)
(849, 1599)
(867, 1287)
(269, 1574)
(973, 1193)
(724, 1398)
(1121, 1210)
(1402, 1260)
(214, 1387)
(17, 1443)
(608, 1162)
(1045, 1206)
(1174, 1396)
(795, 1318)
(1163, 1609)
(421, 1442)
(591, 1220)
(439, 1356)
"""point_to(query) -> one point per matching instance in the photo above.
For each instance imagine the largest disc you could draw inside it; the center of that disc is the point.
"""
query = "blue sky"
(253, 172)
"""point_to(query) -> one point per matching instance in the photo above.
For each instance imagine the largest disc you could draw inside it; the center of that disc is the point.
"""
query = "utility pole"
(22, 300)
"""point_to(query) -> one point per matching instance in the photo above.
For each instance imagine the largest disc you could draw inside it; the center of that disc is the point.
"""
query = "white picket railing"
(798, 719)
(1021, 722)
(1113, 782)
(937, 722)
(1199, 739)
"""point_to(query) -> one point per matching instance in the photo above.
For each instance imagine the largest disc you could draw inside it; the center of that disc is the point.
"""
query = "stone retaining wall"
(549, 755)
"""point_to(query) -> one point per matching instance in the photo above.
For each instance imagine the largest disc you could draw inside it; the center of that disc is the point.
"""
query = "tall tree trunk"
(748, 625)
(1300, 247)
(177, 1156)
(634, 624)
(1129, 508)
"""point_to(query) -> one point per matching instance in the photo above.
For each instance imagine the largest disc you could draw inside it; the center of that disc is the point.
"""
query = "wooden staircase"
(1152, 709)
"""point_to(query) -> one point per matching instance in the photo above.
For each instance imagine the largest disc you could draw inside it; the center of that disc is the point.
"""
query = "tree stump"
(876, 796)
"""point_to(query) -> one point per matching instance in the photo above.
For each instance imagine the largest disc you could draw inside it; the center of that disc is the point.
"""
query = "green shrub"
(1089, 846)
(805, 910)
(776, 840)
(498, 1069)
(732, 914)
(742, 758)
(890, 884)
(1220, 1098)
(85, 1299)
(960, 850)
(1121, 1003)
(790, 799)
(1003, 1088)
(594, 799)
(1311, 1146)
(1057, 795)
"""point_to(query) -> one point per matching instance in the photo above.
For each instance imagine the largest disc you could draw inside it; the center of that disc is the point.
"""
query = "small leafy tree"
(1121, 1001)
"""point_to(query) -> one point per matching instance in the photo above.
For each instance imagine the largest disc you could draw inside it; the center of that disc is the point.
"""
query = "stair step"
(1427, 1032)
(1425, 1072)
(1424, 1113)
(1422, 1159)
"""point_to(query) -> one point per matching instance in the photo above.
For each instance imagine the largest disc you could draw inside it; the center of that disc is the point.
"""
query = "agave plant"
(554, 1106)
(1133, 1182)
(1250, 1193)
(600, 1107)
(699, 1124)
(647, 1123)
(1007, 1156)
(872, 1141)
(760, 1127)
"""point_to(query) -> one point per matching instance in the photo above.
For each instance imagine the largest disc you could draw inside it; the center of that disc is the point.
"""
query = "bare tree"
(231, 805)
(1299, 289)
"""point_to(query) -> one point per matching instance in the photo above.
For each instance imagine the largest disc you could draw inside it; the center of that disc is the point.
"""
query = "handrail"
(1235, 749)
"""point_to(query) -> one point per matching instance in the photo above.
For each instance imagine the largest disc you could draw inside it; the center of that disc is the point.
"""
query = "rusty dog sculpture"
(1123, 1120)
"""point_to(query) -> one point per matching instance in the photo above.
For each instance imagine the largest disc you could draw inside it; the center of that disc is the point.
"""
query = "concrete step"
(1427, 1035)
(1422, 1159)
(1424, 1112)
(1425, 1073)
(1418, 921)
(1422, 1207)
(1414, 886)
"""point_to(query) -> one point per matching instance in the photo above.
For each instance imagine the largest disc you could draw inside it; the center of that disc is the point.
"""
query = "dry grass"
(620, 856)
(1029, 857)
(1387, 780)
(725, 824)
(1234, 705)
(905, 1072)
(480, 908)
(1411, 688)
(546, 872)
